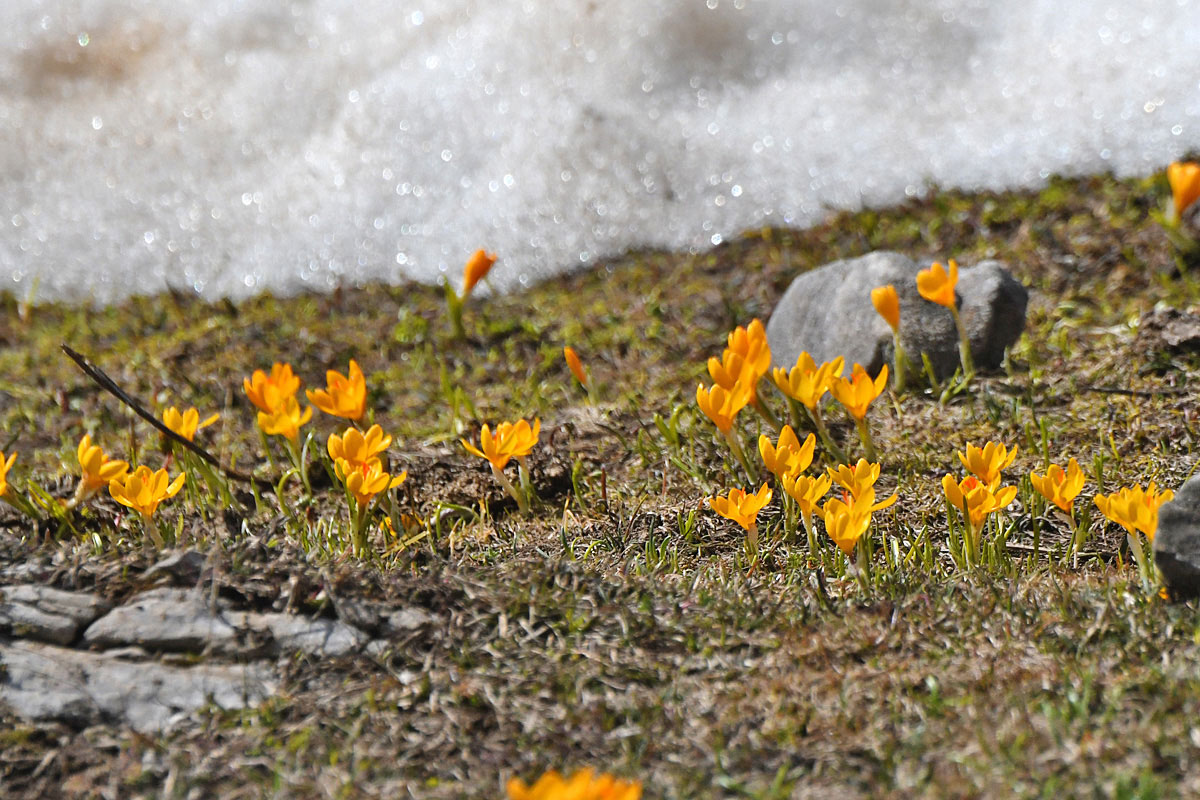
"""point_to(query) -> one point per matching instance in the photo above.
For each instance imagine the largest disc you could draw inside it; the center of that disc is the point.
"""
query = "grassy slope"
(615, 628)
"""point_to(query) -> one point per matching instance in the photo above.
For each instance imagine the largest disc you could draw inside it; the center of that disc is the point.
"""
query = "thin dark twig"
(110, 386)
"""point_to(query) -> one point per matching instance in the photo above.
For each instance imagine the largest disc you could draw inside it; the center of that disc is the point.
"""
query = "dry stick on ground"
(109, 385)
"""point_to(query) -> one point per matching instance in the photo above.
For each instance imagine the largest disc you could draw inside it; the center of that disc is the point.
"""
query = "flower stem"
(151, 529)
(752, 539)
(1145, 568)
(902, 365)
(522, 503)
(454, 308)
(864, 433)
(359, 535)
(765, 413)
(964, 347)
(738, 452)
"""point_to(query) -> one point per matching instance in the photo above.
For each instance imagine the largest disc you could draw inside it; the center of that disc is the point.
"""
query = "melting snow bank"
(226, 146)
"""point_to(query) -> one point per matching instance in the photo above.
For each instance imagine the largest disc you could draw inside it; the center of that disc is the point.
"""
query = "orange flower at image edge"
(582, 785)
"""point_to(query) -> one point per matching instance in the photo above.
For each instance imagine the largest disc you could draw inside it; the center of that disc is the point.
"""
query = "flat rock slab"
(163, 619)
(827, 312)
(43, 682)
(1177, 542)
(181, 620)
(49, 615)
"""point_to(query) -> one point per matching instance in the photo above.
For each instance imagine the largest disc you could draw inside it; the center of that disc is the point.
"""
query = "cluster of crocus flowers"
(143, 490)
(743, 363)
(887, 303)
(475, 270)
(582, 785)
(358, 465)
(274, 395)
(510, 440)
(848, 518)
(742, 507)
(1184, 178)
(363, 482)
(96, 470)
(937, 284)
(787, 459)
(186, 423)
(979, 494)
(856, 394)
(344, 395)
(805, 384)
(1136, 510)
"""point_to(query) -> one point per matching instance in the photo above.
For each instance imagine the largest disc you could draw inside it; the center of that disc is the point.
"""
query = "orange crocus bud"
(887, 303)
(1184, 178)
(477, 268)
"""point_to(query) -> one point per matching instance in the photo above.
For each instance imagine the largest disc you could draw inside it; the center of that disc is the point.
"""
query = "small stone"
(1177, 541)
(828, 313)
(318, 637)
(82, 607)
(42, 682)
(404, 620)
(22, 621)
(163, 619)
(50, 615)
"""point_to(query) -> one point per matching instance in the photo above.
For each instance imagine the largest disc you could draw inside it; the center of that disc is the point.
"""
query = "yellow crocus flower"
(976, 499)
(1058, 486)
(987, 462)
(97, 470)
(575, 365)
(358, 448)
(722, 405)
(1135, 509)
(741, 506)
(143, 489)
(365, 480)
(858, 391)
(859, 480)
(806, 382)
(937, 285)
(846, 521)
(788, 457)
(268, 392)
(510, 440)
(286, 420)
(344, 395)
(187, 423)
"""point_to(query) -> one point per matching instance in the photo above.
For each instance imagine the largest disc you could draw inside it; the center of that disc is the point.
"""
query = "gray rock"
(50, 615)
(163, 619)
(180, 620)
(405, 620)
(1177, 542)
(318, 637)
(828, 312)
(41, 682)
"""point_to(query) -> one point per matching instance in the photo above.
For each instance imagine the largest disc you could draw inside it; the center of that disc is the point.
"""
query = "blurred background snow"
(227, 147)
